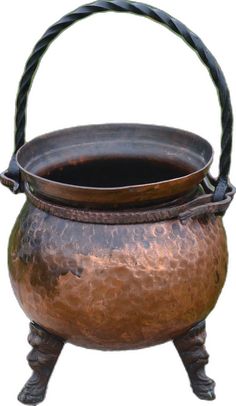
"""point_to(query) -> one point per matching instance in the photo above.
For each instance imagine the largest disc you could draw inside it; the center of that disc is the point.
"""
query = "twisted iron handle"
(161, 17)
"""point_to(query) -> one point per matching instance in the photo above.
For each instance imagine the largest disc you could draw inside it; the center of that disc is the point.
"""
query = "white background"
(116, 68)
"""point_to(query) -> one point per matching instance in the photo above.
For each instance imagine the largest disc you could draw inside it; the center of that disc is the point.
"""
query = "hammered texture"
(116, 286)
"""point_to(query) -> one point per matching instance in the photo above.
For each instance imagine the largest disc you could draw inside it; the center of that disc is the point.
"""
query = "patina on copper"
(120, 244)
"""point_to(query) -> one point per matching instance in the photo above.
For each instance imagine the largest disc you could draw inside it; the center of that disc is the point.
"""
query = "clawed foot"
(42, 359)
(204, 389)
(192, 351)
(32, 394)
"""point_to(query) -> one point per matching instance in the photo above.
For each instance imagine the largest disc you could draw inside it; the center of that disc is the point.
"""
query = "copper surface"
(114, 141)
(116, 286)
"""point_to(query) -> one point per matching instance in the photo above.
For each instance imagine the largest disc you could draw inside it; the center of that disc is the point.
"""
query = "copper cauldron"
(115, 247)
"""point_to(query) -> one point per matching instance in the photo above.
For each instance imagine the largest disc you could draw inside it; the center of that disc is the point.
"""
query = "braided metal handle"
(161, 17)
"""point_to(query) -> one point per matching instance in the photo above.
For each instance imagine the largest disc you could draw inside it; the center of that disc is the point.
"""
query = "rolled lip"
(128, 187)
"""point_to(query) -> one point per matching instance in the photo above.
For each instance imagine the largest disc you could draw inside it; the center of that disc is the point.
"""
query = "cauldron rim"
(119, 196)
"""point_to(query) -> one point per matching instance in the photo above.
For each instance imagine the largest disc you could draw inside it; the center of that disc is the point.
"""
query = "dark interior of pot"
(115, 165)
(117, 172)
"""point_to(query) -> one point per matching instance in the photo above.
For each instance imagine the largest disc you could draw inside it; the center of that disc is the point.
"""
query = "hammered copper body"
(116, 286)
(129, 259)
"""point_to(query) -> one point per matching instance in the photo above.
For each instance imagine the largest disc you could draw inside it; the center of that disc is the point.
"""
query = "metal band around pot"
(12, 174)
(185, 208)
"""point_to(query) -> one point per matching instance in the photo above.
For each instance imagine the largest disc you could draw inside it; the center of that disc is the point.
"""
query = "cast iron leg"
(192, 351)
(42, 359)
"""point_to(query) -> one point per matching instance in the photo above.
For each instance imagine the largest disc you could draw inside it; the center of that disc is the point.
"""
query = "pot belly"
(116, 286)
